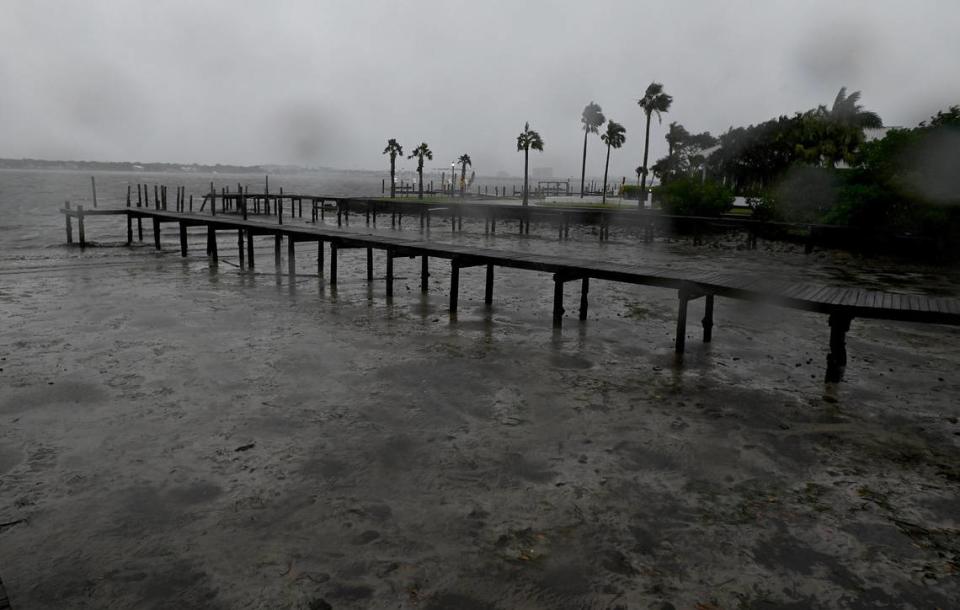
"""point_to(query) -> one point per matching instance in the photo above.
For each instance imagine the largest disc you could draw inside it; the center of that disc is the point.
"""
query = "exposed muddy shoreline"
(181, 436)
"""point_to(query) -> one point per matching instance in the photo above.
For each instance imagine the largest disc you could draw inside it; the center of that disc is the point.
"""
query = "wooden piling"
(80, 227)
(584, 291)
(69, 220)
(319, 257)
(389, 272)
(681, 339)
(424, 273)
(277, 243)
(183, 239)
(837, 357)
(240, 247)
(454, 284)
(333, 264)
(156, 233)
(708, 319)
(212, 244)
(369, 264)
(291, 256)
(93, 187)
(557, 301)
(250, 248)
(488, 287)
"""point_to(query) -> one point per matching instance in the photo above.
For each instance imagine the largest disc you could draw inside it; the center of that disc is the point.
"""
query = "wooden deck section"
(648, 222)
(840, 304)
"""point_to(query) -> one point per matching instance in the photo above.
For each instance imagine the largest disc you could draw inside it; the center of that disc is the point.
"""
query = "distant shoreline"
(136, 166)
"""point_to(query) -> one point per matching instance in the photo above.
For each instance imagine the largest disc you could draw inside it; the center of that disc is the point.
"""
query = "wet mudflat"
(180, 436)
(175, 435)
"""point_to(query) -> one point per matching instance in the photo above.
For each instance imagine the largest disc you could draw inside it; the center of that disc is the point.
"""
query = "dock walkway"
(841, 305)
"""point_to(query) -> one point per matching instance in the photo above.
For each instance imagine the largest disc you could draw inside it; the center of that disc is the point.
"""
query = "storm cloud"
(326, 83)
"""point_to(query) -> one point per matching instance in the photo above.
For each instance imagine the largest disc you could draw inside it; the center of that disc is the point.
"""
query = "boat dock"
(840, 305)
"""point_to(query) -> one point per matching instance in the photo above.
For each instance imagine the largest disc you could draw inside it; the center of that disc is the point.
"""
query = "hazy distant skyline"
(324, 83)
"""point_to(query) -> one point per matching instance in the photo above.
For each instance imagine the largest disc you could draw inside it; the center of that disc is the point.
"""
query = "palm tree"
(614, 138)
(464, 161)
(592, 118)
(653, 101)
(525, 141)
(393, 149)
(847, 111)
(420, 152)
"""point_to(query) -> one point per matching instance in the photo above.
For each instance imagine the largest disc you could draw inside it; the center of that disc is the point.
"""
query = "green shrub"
(694, 197)
(631, 191)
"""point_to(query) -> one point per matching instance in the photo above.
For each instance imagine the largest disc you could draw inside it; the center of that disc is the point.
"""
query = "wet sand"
(180, 436)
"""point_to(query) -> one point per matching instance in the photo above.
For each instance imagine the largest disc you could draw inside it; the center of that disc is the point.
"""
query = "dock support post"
(681, 340)
(319, 257)
(369, 264)
(333, 264)
(80, 228)
(708, 319)
(389, 272)
(291, 256)
(277, 243)
(66, 206)
(557, 301)
(488, 288)
(837, 358)
(584, 291)
(183, 239)
(424, 273)
(250, 248)
(240, 246)
(156, 233)
(454, 285)
(212, 243)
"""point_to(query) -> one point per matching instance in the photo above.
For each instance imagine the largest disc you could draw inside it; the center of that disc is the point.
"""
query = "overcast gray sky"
(326, 83)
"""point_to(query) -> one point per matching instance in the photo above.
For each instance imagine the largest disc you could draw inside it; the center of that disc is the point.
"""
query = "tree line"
(814, 166)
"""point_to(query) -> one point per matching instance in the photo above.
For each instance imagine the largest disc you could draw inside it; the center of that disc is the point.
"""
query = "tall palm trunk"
(420, 173)
(526, 158)
(605, 168)
(393, 180)
(463, 180)
(643, 178)
(583, 170)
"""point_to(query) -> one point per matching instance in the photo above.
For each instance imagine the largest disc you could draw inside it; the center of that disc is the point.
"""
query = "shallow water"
(173, 433)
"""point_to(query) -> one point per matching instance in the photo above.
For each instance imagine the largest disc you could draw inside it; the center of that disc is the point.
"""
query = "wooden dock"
(647, 223)
(840, 305)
